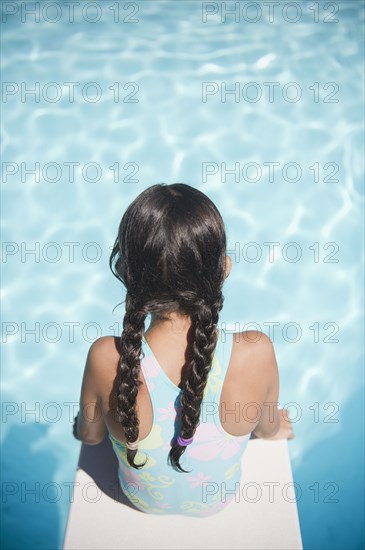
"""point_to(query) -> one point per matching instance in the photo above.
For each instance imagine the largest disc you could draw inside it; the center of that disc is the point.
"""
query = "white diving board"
(263, 516)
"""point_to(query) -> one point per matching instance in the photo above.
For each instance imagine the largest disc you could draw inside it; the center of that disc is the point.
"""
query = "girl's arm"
(274, 422)
(89, 426)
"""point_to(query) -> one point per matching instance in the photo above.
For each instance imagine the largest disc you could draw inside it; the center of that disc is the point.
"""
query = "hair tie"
(184, 442)
(133, 446)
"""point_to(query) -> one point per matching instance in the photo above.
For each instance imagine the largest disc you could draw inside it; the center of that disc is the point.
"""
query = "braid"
(204, 323)
(128, 374)
(170, 254)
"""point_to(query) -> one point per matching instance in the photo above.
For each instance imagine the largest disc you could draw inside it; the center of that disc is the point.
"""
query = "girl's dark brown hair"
(170, 255)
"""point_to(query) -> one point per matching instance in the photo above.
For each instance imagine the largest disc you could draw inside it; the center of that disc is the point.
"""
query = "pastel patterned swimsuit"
(213, 458)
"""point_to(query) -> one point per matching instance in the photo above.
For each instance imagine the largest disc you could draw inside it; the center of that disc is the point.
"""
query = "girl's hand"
(285, 430)
(74, 428)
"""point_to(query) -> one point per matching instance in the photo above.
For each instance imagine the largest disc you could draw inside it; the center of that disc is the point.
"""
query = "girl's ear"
(228, 265)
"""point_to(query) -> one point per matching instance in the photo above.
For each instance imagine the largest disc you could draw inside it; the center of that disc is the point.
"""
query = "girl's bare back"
(250, 382)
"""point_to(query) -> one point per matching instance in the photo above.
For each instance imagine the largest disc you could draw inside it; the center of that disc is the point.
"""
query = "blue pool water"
(139, 97)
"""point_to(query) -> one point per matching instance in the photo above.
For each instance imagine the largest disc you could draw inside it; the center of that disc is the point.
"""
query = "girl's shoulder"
(253, 350)
(250, 341)
(105, 344)
(104, 352)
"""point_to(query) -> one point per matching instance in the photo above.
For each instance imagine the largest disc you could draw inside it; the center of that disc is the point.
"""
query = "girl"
(179, 401)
